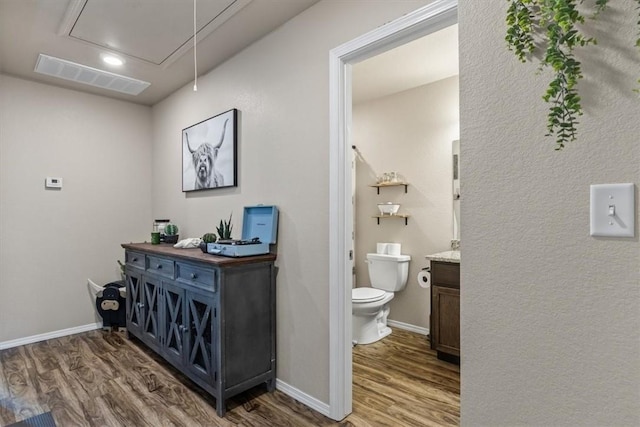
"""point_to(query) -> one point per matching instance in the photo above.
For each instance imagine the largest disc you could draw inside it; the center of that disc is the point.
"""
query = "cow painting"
(209, 153)
(204, 161)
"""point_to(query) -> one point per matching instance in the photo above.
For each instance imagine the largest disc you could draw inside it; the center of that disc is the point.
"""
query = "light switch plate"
(613, 210)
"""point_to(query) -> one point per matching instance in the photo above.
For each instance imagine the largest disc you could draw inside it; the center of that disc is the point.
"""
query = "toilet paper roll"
(394, 248)
(424, 279)
(381, 248)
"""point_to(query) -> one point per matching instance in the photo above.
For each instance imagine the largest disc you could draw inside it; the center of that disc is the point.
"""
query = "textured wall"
(52, 241)
(550, 315)
(410, 132)
(280, 85)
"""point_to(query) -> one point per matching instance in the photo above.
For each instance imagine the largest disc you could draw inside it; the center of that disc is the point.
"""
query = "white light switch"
(612, 210)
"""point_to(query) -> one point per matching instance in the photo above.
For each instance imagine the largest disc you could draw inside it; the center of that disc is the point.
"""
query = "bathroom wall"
(410, 132)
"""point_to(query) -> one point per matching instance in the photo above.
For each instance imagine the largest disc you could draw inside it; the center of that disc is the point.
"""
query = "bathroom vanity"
(211, 317)
(444, 325)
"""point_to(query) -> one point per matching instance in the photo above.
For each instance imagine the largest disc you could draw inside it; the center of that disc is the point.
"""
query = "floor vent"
(68, 70)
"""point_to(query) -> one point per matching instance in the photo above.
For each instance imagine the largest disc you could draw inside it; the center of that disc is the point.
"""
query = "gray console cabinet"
(211, 317)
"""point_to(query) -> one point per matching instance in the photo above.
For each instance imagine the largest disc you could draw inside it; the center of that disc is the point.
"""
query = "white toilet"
(370, 306)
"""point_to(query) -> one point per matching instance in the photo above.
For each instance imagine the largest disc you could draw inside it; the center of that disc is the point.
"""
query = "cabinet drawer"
(134, 259)
(161, 266)
(196, 276)
(445, 274)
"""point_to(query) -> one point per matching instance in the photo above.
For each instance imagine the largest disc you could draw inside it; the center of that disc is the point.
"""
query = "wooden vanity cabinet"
(445, 310)
(211, 317)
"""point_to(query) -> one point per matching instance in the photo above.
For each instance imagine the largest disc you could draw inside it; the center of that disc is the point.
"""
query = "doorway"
(431, 18)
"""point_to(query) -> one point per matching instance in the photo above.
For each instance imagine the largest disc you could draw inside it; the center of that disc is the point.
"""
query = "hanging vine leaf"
(552, 26)
(560, 18)
(638, 38)
(520, 30)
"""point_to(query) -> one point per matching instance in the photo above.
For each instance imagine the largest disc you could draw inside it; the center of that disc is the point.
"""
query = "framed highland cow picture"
(209, 153)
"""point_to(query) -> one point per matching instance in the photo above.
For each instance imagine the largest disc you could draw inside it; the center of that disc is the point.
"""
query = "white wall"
(411, 132)
(280, 85)
(550, 315)
(52, 241)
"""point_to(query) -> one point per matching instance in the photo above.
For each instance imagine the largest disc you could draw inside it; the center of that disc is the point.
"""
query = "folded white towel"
(192, 242)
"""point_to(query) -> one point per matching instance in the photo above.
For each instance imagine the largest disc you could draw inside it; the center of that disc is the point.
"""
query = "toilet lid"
(367, 294)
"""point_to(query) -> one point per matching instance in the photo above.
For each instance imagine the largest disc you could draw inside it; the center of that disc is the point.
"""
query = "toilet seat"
(362, 295)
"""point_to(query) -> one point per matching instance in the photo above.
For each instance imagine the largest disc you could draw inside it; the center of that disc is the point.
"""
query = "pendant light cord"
(195, 52)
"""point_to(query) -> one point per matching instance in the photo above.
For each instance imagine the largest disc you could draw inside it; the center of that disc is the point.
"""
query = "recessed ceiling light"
(112, 60)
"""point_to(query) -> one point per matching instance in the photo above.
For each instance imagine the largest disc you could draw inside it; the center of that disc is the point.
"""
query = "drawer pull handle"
(134, 259)
(159, 266)
(194, 276)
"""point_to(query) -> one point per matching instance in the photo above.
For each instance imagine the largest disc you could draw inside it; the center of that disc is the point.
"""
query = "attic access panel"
(157, 31)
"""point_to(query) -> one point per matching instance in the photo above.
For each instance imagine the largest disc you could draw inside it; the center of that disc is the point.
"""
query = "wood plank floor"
(100, 378)
(399, 381)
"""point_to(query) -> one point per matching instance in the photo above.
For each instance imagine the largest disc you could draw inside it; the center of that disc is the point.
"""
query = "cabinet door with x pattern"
(201, 335)
(151, 303)
(174, 324)
(134, 303)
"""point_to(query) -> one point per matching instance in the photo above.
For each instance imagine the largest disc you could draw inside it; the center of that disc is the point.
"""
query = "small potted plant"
(207, 238)
(171, 233)
(224, 229)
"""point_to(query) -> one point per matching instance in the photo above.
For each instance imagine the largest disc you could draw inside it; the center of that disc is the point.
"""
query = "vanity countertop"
(446, 256)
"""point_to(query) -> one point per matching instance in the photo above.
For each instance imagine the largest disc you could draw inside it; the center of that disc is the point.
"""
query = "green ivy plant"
(551, 25)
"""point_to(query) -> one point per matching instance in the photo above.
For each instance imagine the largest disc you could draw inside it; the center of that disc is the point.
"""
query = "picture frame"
(210, 153)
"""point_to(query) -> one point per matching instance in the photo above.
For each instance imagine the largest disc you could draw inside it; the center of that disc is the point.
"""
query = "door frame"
(430, 18)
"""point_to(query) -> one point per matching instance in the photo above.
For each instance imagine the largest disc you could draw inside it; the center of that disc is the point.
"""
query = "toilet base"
(369, 329)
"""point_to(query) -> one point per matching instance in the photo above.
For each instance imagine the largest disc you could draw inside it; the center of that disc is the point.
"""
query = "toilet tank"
(388, 272)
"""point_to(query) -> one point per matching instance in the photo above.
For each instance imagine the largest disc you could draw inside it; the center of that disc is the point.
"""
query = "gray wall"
(281, 87)
(550, 315)
(410, 132)
(51, 241)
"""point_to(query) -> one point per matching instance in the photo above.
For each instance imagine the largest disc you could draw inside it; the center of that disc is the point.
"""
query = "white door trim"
(430, 18)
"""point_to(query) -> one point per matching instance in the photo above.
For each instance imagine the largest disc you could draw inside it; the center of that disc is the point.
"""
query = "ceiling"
(153, 37)
(426, 60)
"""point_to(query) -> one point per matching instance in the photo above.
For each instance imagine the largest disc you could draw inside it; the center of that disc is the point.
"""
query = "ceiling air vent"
(68, 70)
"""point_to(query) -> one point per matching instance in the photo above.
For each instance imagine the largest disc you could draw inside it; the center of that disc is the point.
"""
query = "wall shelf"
(404, 216)
(390, 184)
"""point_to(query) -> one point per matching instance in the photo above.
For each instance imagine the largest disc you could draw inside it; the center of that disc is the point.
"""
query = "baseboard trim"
(407, 327)
(303, 398)
(48, 335)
